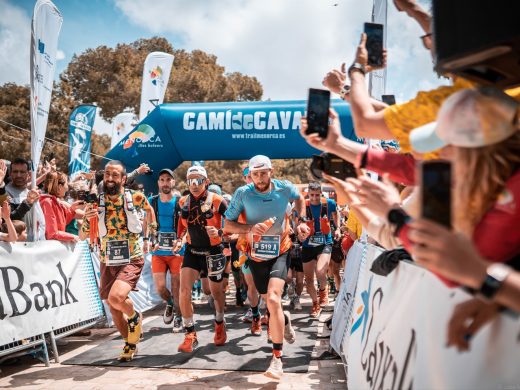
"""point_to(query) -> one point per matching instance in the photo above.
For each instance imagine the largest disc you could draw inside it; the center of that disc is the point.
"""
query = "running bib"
(317, 240)
(267, 248)
(166, 239)
(118, 253)
(216, 264)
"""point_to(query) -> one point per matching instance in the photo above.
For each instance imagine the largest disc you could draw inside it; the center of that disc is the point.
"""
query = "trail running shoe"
(256, 327)
(296, 304)
(168, 314)
(220, 334)
(135, 328)
(177, 324)
(248, 317)
(289, 335)
(324, 297)
(129, 351)
(275, 369)
(315, 310)
(190, 342)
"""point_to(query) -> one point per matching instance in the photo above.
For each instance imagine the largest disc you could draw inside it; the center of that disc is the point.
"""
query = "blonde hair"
(53, 181)
(481, 175)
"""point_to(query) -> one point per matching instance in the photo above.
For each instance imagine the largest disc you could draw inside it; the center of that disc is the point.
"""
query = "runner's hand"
(303, 231)
(146, 246)
(259, 229)
(212, 231)
(156, 247)
(177, 246)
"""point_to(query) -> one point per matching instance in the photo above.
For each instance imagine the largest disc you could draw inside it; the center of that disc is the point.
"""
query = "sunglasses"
(196, 182)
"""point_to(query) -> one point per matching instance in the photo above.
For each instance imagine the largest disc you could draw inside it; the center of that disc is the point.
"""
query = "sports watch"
(357, 66)
(345, 90)
(496, 273)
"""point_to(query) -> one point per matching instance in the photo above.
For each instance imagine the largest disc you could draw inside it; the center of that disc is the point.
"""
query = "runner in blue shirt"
(263, 206)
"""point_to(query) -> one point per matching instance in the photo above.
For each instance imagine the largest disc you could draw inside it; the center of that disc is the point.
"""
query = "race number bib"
(317, 240)
(216, 264)
(118, 253)
(166, 239)
(267, 248)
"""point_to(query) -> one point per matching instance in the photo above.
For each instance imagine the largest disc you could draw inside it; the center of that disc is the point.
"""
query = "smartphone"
(318, 112)
(82, 195)
(388, 99)
(436, 191)
(374, 43)
(332, 165)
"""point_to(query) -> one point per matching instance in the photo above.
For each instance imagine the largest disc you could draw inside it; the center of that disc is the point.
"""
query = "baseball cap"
(470, 118)
(197, 170)
(259, 162)
(215, 188)
(168, 171)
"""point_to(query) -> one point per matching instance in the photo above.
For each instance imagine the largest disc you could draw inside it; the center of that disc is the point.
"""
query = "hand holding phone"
(374, 44)
(388, 99)
(318, 112)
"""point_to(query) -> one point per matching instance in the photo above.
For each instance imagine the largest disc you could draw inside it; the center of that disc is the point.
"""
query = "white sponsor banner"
(46, 25)
(156, 73)
(123, 123)
(398, 335)
(345, 299)
(45, 285)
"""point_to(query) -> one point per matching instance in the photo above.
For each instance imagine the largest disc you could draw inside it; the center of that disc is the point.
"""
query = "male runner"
(201, 218)
(317, 247)
(166, 210)
(121, 255)
(264, 203)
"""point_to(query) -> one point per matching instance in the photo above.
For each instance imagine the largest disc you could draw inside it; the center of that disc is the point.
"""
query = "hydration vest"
(155, 206)
(324, 217)
(212, 203)
(133, 222)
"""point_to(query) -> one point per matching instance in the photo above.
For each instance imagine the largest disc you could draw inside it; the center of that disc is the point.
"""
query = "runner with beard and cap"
(264, 205)
(201, 220)
(121, 256)
(167, 210)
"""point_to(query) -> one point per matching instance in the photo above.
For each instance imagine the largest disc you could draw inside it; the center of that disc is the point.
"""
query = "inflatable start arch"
(173, 133)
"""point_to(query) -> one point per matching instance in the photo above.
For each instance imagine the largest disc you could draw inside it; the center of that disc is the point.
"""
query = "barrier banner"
(80, 130)
(45, 285)
(397, 339)
(156, 74)
(122, 125)
(45, 29)
(345, 299)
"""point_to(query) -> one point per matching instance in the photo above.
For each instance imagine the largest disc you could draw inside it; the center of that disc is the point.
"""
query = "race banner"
(396, 337)
(156, 73)
(45, 29)
(122, 125)
(345, 300)
(80, 130)
(45, 285)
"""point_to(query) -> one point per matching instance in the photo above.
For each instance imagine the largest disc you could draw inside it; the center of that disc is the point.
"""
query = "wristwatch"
(398, 217)
(356, 66)
(220, 232)
(303, 219)
(496, 273)
(345, 90)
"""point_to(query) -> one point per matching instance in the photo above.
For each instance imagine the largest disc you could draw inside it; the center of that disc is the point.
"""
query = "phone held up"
(374, 43)
(436, 191)
(332, 165)
(318, 112)
(388, 99)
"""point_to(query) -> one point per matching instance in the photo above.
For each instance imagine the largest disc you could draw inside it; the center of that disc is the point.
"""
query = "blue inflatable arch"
(173, 133)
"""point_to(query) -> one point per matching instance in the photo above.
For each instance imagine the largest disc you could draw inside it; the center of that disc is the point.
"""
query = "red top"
(497, 235)
(57, 216)
(400, 167)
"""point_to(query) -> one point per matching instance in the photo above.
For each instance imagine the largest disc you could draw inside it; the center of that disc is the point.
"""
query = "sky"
(288, 45)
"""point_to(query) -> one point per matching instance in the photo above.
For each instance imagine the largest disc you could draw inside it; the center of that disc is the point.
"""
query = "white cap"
(197, 170)
(259, 162)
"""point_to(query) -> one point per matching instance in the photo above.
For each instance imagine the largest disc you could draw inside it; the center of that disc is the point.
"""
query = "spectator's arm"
(51, 224)
(11, 231)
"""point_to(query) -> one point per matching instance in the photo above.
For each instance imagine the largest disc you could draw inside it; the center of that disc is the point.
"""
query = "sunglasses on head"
(197, 182)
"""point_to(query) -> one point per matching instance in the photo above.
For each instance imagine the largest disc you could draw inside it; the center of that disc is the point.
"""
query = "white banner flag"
(121, 126)
(377, 78)
(156, 73)
(46, 25)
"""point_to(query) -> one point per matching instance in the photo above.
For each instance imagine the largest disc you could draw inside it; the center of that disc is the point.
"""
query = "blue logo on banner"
(41, 46)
